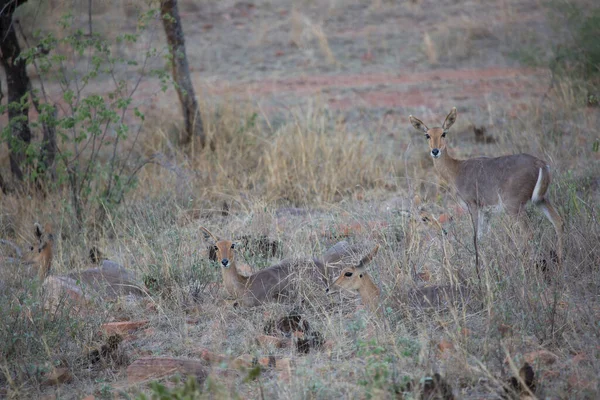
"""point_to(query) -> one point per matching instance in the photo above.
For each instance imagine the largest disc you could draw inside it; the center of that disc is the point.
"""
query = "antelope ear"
(418, 124)
(362, 265)
(38, 231)
(450, 119)
(208, 234)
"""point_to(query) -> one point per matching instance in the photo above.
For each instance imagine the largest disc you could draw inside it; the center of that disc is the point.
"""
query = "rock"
(108, 281)
(544, 357)
(272, 341)
(58, 288)
(436, 387)
(329, 345)
(524, 386)
(284, 366)
(210, 356)
(550, 375)
(505, 330)
(445, 345)
(287, 325)
(444, 218)
(58, 376)
(122, 328)
(108, 351)
(313, 340)
(150, 368)
(577, 382)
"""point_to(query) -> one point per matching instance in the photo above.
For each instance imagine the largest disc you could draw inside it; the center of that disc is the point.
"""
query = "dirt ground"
(377, 61)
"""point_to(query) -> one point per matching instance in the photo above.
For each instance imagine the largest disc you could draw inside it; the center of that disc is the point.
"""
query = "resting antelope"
(507, 181)
(278, 281)
(38, 260)
(356, 279)
(109, 278)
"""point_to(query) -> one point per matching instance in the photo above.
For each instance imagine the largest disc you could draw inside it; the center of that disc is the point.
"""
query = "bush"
(579, 51)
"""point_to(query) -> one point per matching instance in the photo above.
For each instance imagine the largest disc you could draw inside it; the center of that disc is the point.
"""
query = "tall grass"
(520, 304)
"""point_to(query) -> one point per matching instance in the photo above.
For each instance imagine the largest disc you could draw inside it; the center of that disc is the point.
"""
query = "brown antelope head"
(223, 249)
(435, 136)
(351, 278)
(357, 279)
(41, 254)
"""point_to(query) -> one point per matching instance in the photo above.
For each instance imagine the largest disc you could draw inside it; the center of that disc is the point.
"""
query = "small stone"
(122, 328)
(58, 376)
(544, 357)
(151, 368)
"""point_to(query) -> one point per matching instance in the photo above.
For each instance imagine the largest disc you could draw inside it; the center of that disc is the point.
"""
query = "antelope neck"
(369, 292)
(447, 166)
(233, 275)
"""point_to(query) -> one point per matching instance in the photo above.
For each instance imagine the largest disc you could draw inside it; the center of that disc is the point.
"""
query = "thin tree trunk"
(18, 83)
(3, 187)
(49, 146)
(181, 72)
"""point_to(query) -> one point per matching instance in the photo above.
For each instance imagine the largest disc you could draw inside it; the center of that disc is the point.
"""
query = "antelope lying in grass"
(507, 181)
(38, 260)
(279, 281)
(356, 279)
(109, 278)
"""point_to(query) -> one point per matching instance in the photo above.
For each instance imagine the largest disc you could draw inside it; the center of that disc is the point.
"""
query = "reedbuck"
(282, 280)
(38, 259)
(507, 181)
(41, 256)
(356, 279)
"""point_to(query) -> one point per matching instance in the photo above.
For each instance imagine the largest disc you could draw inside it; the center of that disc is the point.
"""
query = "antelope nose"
(435, 152)
(225, 262)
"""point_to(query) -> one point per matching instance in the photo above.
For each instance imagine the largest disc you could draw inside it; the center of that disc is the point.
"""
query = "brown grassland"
(305, 104)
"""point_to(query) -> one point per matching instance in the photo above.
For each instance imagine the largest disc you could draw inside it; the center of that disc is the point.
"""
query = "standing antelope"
(279, 281)
(507, 181)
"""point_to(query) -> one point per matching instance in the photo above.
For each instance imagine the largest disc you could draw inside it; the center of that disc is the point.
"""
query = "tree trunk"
(181, 72)
(18, 83)
(49, 146)
(3, 187)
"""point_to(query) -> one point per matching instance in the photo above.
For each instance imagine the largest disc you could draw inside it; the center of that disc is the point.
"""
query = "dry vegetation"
(308, 176)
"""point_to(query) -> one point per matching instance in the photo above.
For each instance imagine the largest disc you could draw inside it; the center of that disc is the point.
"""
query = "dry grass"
(515, 310)
(297, 162)
(304, 33)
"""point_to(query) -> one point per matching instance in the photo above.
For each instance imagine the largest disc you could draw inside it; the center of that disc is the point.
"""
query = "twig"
(3, 187)
(476, 247)
(90, 17)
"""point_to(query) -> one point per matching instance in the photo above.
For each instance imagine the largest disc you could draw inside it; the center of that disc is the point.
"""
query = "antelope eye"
(427, 136)
(444, 134)
(30, 248)
(233, 245)
(348, 274)
(215, 248)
